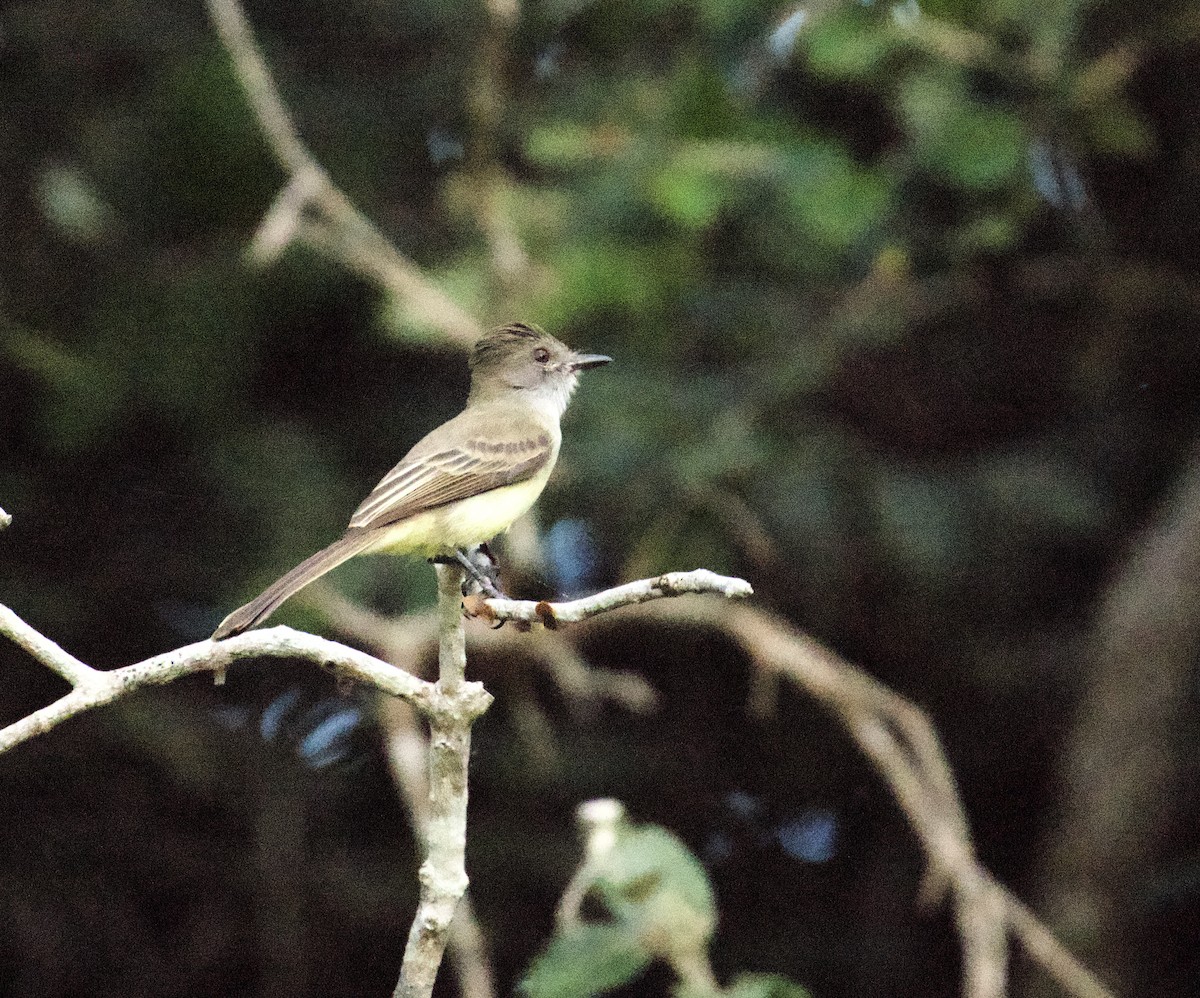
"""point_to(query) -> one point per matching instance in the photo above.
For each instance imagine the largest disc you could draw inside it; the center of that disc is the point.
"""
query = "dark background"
(904, 305)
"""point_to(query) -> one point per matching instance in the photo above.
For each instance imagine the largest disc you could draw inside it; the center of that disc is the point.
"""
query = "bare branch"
(1052, 956)
(94, 688)
(600, 821)
(281, 224)
(45, 650)
(894, 734)
(407, 751)
(443, 874)
(273, 118)
(406, 641)
(671, 584)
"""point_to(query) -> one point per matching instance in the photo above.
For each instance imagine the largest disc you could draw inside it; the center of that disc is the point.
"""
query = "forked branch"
(451, 705)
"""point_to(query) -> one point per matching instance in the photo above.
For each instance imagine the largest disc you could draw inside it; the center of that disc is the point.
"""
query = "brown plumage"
(465, 481)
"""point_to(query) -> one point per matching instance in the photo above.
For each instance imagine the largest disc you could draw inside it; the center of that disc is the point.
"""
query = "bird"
(465, 481)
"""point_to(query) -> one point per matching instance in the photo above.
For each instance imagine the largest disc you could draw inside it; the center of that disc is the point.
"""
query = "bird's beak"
(582, 361)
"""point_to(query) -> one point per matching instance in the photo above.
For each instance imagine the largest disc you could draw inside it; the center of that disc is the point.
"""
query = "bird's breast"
(464, 522)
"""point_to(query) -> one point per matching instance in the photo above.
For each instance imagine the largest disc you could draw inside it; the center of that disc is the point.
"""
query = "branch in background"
(313, 210)
(486, 98)
(893, 733)
(902, 745)
(741, 523)
(1120, 774)
(407, 641)
(660, 913)
(444, 832)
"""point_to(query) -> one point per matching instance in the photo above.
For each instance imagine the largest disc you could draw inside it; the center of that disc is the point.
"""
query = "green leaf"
(951, 134)
(700, 101)
(557, 145)
(567, 144)
(981, 147)
(601, 276)
(846, 44)
(764, 986)
(653, 882)
(834, 201)
(987, 234)
(844, 204)
(588, 960)
(687, 195)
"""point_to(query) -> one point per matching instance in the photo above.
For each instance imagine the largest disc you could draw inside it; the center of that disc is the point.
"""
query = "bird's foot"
(480, 566)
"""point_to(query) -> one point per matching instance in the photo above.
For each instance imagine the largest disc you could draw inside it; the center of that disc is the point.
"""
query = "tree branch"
(339, 228)
(1120, 770)
(552, 614)
(407, 755)
(443, 874)
(893, 733)
(406, 641)
(44, 650)
(94, 688)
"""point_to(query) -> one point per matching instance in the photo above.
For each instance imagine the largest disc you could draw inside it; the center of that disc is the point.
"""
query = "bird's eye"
(541, 355)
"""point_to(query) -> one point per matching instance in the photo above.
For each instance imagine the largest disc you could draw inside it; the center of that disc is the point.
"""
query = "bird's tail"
(267, 602)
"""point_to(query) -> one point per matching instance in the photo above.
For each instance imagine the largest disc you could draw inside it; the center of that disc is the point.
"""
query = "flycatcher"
(466, 481)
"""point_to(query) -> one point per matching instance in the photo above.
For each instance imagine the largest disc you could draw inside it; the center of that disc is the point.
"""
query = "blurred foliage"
(654, 902)
(903, 298)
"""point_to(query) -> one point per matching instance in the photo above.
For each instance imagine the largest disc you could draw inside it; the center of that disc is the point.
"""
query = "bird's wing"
(430, 477)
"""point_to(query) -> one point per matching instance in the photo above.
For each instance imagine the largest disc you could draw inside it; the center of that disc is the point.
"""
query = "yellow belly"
(463, 523)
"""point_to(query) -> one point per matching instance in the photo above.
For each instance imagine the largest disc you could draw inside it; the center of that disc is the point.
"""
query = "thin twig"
(407, 641)
(1044, 948)
(602, 823)
(487, 95)
(44, 650)
(671, 584)
(896, 736)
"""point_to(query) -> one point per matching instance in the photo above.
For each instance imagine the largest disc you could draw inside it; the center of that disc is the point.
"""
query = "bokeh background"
(904, 303)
